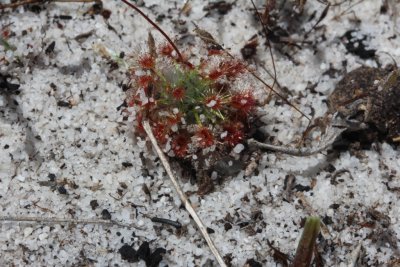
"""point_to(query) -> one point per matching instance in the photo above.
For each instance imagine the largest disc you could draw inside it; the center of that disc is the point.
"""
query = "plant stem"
(157, 27)
(53, 220)
(306, 244)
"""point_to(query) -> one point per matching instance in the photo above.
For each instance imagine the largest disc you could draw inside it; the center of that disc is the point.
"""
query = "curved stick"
(157, 27)
(299, 152)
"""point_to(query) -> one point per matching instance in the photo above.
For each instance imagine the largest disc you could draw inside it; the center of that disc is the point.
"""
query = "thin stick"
(268, 42)
(182, 195)
(62, 220)
(157, 27)
(270, 87)
(205, 36)
(79, 1)
(300, 152)
(20, 3)
(278, 94)
(27, 2)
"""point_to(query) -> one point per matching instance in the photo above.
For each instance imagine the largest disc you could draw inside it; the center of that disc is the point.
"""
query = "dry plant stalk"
(182, 195)
(62, 220)
(302, 152)
(29, 2)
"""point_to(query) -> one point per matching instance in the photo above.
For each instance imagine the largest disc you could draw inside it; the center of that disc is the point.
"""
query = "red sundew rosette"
(180, 144)
(158, 99)
(233, 133)
(204, 137)
(146, 61)
(243, 101)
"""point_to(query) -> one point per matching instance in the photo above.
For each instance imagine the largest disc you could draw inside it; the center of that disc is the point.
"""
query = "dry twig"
(182, 195)
(300, 152)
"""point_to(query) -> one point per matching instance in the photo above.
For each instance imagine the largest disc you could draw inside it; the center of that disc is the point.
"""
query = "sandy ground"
(67, 152)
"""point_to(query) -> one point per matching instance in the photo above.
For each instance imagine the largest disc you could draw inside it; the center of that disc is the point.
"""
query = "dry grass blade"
(62, 220)
(28, 2)
(182, 195)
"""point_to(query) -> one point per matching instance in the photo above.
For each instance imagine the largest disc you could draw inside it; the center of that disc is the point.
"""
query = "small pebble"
(43, 236)
(20, 178)
(238, 148)
(28, 231)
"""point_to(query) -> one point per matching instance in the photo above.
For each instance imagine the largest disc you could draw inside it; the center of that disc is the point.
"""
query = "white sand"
(86, 145)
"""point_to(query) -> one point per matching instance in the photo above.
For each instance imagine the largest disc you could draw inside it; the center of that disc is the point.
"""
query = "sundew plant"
(196, 111)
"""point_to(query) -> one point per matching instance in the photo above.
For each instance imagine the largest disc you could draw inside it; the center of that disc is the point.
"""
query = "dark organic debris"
(62, 103)
(385, 107)
(152, 259)
(268, 10)
(228, 259)
(156, 257)
(228, 166)
(369, 97)
(83, 36)
(356, 43)
(7, 87)
(222, 7)
(205, 184)
(63, 17)
(175, 224)
(144, 251)
(210, 230)
(105, 215)
(227, 226)
(98, 9)
(302, 188)
(250, 48)
(279, 256)
(50, 48)
(62, 190)
(127, 164)
(252, 263)
(94, 204)
(128, 253)
(383, 234)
